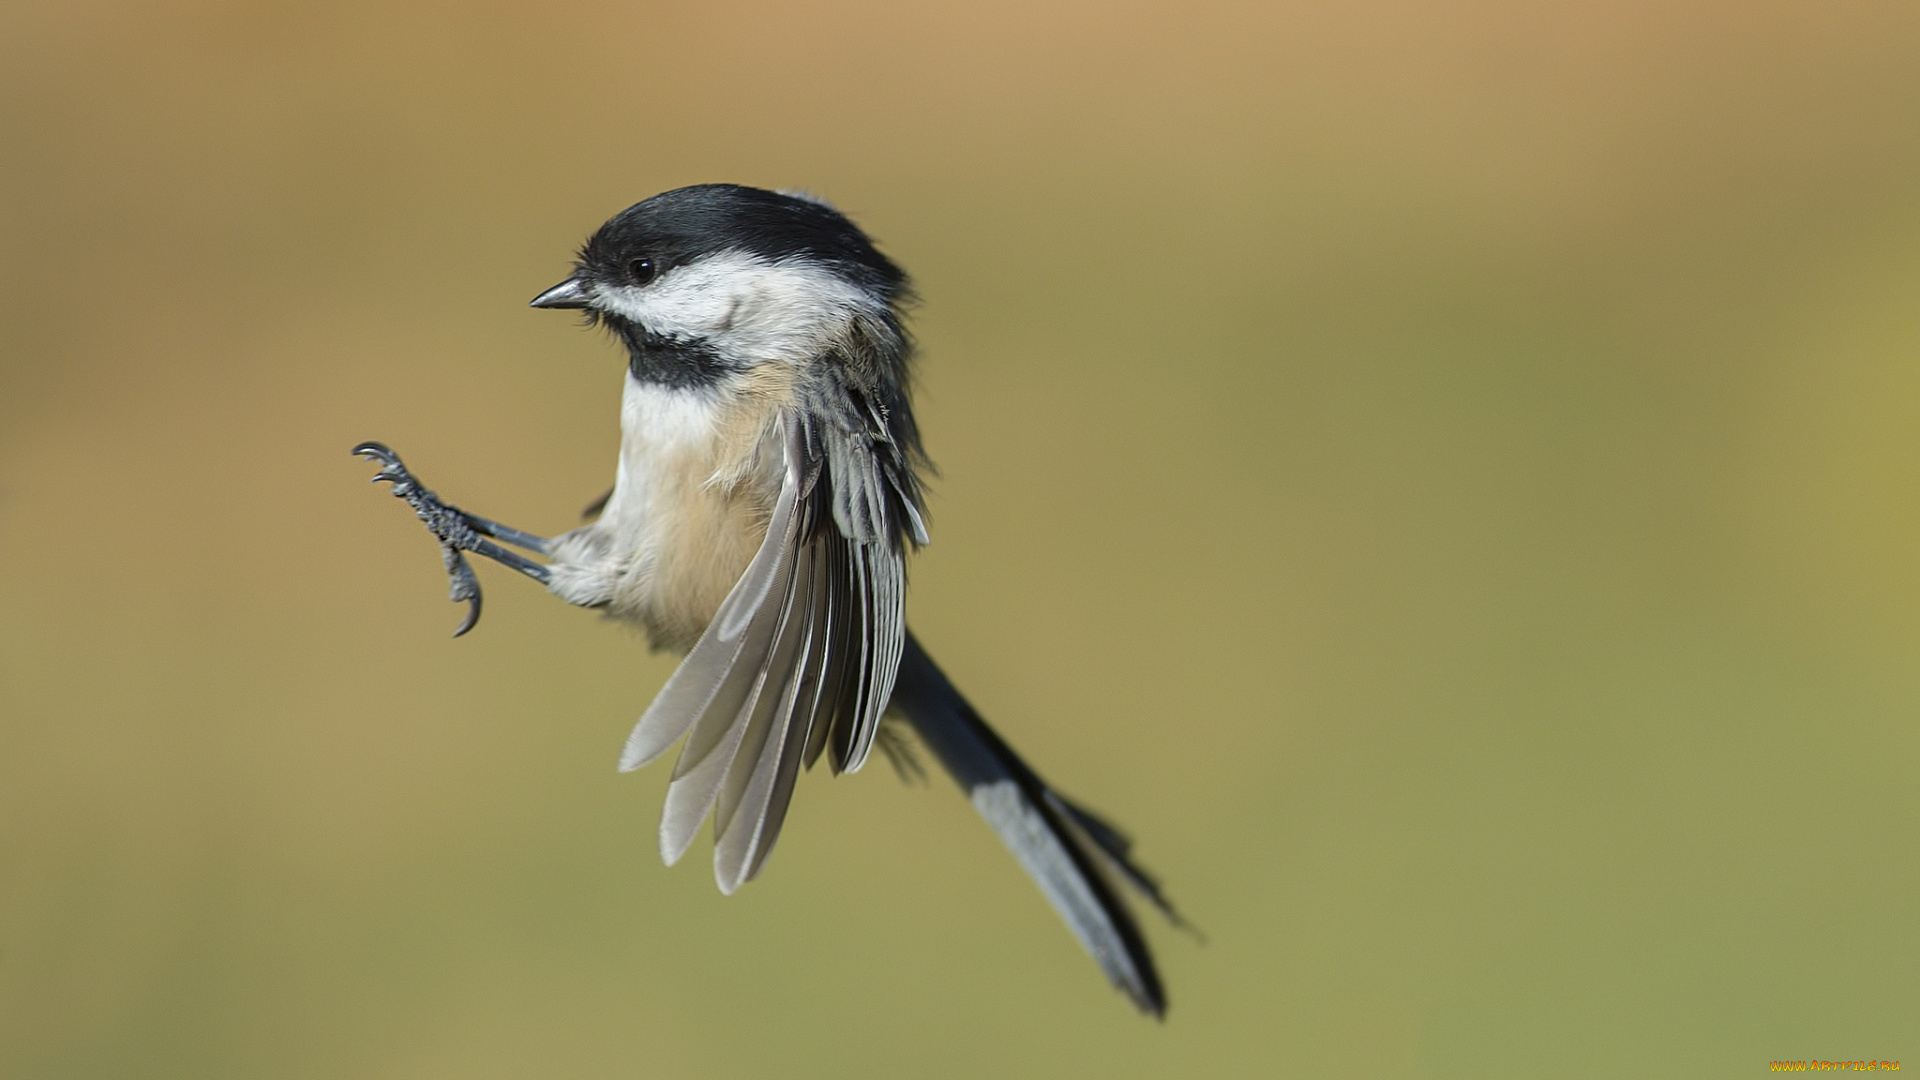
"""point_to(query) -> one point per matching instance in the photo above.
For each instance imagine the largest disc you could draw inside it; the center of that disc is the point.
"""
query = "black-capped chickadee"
(766, 495)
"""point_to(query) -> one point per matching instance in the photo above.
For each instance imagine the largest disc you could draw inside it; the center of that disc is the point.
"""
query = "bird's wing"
(800, 658)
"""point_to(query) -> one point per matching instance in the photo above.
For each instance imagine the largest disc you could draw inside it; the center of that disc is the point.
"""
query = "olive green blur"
(1445, 476)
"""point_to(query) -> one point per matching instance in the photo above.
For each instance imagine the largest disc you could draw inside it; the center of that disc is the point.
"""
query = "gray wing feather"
(754, 804)
(774, 709)
(715, 660)
(881, 577)
(802, 655)
(727, 710)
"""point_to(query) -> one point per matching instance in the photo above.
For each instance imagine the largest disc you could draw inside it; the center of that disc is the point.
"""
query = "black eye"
(642, 270)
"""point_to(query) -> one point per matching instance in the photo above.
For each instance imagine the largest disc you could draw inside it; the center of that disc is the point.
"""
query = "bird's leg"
(457, 531)
(535, 544)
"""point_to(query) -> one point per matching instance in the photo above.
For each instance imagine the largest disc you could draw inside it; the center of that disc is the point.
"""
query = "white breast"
(698, 474)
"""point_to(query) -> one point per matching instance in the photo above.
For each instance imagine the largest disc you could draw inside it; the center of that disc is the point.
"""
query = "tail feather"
(1118, 848)
(1070, 853)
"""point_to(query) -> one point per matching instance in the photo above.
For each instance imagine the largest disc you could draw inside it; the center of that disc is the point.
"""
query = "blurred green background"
(1445, 475)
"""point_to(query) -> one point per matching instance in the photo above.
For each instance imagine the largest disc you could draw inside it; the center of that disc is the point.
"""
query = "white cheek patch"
(749, 309)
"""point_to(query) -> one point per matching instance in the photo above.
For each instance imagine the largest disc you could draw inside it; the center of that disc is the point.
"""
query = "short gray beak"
(571, 293)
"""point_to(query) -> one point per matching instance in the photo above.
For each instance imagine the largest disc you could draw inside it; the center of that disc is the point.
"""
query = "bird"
(767, 494)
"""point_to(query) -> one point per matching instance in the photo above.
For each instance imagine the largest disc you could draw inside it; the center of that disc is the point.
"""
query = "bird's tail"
(1072, 854)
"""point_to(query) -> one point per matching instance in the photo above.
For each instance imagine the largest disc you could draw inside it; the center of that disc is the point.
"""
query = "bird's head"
(704, 282)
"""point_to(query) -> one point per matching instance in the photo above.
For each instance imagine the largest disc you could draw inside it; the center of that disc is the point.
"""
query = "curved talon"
(473, 615)
(461, 585)
(391, 469)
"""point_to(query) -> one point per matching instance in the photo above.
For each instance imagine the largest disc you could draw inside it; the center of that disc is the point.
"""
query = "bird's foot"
(447, 524)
